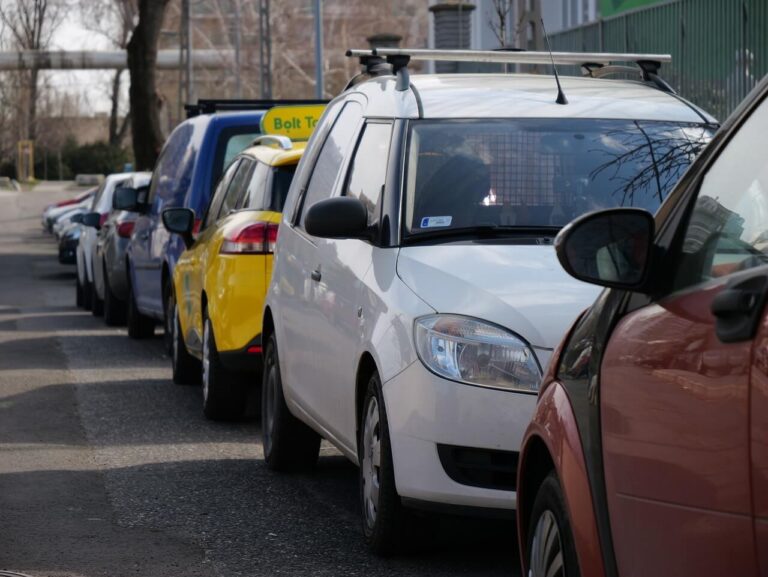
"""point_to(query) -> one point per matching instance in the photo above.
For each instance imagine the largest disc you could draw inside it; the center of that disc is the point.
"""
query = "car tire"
(550, 539)
(139, 325)
(114, 308)
(168, 317)
(79, 296)
(383, 514)
(186, 368)
(97, 305)
(289, 444)
(224, 393)
(87, 295)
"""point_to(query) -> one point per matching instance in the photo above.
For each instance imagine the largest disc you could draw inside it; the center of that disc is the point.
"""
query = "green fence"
(719, 47)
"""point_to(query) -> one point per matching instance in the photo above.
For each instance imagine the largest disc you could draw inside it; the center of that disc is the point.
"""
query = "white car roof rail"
(273, 140)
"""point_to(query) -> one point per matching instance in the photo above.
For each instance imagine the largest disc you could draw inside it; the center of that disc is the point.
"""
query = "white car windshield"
(539, 173)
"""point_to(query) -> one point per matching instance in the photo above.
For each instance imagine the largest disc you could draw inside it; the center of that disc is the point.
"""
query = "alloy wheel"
(546, 548)
(371, 465)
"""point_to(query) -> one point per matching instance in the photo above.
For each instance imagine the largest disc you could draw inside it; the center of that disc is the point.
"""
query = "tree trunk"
(32, 118)
(145, 102)
(114, 111)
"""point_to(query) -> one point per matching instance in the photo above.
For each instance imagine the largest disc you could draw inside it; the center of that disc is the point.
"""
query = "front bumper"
(429, 415)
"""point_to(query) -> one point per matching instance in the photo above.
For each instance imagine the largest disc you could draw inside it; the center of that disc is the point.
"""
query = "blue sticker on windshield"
(433, 221)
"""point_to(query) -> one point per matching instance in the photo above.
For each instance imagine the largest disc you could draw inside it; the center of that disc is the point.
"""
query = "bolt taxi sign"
(295, 122)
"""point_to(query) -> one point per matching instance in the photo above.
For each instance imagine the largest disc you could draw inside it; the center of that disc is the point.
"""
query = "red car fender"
(554, 427)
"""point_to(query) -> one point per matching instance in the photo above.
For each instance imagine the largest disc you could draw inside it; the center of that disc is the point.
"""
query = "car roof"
(523, 96)
(274, 156)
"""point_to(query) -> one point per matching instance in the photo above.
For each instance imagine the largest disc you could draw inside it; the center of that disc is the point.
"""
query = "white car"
(416, 296)
(86, 248)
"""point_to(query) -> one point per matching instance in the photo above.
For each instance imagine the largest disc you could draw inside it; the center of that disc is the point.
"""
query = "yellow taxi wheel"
(225, 395)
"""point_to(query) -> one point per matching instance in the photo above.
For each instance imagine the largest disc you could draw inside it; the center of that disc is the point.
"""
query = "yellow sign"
(295, 122)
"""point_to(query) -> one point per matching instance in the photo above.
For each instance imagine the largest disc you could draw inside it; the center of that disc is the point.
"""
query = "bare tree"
(115, 20)
(145, 100)
(31, 24)
(500, 20)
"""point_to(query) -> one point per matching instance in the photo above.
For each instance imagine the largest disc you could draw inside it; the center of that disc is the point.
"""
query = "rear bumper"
(248, 359)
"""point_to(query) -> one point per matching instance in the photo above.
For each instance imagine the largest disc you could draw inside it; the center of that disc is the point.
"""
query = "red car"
(648, 451)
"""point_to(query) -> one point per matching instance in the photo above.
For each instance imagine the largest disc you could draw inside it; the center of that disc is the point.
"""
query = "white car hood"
(520, 287)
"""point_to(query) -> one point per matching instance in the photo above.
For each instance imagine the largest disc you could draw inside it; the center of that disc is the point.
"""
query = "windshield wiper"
(483, 231)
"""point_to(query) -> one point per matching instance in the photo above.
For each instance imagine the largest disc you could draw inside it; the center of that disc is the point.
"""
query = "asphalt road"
(107, 468)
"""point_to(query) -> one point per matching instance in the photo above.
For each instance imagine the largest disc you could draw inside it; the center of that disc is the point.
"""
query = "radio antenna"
(561, 99)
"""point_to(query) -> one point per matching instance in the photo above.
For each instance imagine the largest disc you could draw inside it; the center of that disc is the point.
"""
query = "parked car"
(220, 281)
(86, 248)
(416, 296)
(110, 281)
(53, 211)
(648, 450)
(63, 220)
(186, 173)
(68, 245)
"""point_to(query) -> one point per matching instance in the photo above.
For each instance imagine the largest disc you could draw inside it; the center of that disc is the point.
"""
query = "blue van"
(185, 175)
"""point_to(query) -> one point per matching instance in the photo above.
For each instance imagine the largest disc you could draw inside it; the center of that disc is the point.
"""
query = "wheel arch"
(536, 463)
(366, 366)
(267, 325)
(165, 278)
(552, 442)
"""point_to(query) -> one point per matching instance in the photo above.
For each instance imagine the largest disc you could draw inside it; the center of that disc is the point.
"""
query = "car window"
(269, 187)
(98, 194)
(218, 195)
(331, 157)
(172, 169)
(728, 228)
(282, 176)
(369, 168)
(236, 188)
(254, 198)
(307, 162)
(540, 172)
(231, 141)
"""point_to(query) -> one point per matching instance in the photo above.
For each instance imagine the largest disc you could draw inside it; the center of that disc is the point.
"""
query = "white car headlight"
(471, 351)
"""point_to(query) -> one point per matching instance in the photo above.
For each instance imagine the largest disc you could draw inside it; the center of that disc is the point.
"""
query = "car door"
(675, 385)
(191, 265)
(307, 321)
(758, 419)
(344, 264)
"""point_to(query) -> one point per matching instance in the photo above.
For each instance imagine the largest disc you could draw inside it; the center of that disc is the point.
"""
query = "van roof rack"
(206, 106)
(595, 64)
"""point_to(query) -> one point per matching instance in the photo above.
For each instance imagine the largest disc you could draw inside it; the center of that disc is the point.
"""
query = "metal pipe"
(112, 59)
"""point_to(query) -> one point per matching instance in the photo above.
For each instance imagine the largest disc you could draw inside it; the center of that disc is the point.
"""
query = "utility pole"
(319, 84)
(238, 69)
(186, 7)
(265, 51)
(181, 63)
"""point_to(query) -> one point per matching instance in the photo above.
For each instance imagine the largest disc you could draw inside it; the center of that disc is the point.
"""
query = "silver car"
(109, 272)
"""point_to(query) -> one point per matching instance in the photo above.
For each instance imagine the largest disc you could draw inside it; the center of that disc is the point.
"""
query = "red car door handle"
(738, 308)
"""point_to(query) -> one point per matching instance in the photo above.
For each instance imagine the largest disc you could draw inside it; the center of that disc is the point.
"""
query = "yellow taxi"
(221, 279)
